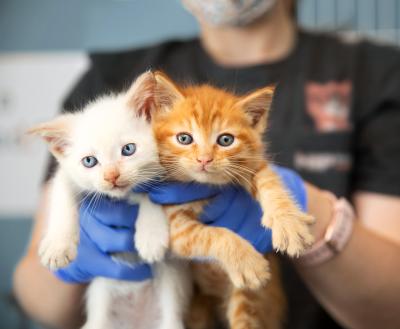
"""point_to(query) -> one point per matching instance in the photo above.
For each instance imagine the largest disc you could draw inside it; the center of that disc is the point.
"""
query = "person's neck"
(269, 39)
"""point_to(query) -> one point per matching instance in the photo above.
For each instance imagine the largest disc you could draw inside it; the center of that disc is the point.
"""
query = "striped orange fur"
(237, 281)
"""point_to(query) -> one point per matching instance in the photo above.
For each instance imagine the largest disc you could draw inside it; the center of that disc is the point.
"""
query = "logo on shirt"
(322, 162)
(328, 104)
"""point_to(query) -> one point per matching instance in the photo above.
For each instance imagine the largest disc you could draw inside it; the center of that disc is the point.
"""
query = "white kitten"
(108, 148)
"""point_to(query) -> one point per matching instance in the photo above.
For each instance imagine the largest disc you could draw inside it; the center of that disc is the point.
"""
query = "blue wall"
(111, 24)
(90, 24)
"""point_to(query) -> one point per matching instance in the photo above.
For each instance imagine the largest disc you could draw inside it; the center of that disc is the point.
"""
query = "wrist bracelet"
(336, 236)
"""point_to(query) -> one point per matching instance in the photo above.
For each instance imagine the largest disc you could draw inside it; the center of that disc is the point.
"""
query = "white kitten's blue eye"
(89, 161)
(184, 138)
(128, 149)
(225, 139)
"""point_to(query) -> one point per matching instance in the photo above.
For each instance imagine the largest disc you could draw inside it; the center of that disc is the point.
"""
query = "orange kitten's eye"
(184, 138)
(225, 139)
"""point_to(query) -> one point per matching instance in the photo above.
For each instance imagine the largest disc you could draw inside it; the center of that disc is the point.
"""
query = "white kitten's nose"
(111, 175)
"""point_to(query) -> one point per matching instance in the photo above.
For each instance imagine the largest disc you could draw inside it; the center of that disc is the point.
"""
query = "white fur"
(58, 247)
(101, 130)
(152, 232)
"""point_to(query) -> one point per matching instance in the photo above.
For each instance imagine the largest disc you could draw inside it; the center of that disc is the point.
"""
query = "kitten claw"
(57, 253)
(152, 246)
(250, 272)
(290, 231)
(151, 253)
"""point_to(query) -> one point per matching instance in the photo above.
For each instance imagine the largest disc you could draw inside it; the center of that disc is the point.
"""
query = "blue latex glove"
(231, 207)
(105, 227)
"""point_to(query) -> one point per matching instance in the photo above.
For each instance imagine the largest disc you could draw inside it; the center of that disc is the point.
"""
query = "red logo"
(328, 104)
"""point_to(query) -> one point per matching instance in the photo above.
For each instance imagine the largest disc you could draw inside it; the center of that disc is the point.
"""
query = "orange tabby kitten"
(210, 136)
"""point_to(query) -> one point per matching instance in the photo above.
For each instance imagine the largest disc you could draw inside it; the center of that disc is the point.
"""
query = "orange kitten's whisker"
(232, 177)
(246, 159)
(241, 177)
(241, 167)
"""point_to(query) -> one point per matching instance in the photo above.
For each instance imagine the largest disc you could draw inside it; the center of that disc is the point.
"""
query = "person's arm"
(56, 299)
(43, 296)
(360, 287)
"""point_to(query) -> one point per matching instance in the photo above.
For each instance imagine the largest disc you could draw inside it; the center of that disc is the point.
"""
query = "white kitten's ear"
(257, 105)
(140, 95)
(56, 133)
(166, 92)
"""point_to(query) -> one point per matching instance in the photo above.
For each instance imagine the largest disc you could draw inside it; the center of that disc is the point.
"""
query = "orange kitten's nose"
(204, 160)
(111, 175)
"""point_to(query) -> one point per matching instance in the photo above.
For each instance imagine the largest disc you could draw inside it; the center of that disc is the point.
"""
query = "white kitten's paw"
(152, 243)
(290, 231)
(57, 253)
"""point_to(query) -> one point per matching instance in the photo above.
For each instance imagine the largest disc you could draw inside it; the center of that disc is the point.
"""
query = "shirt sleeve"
(377, 146)
(89, 86)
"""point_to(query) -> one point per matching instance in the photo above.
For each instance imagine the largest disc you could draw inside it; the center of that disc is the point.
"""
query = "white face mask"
(228, 12)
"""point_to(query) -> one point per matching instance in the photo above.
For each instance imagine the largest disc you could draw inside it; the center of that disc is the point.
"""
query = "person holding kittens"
(334, 122)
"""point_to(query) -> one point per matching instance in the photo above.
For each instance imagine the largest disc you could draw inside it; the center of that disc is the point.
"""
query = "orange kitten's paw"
(250, 272)
(290, 231)
(57, 253)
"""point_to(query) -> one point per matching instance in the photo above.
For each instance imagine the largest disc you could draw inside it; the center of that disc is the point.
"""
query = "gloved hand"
(105, 227)
(231, 207)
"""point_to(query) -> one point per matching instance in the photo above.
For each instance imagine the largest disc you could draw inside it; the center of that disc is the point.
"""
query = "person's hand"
(106, 227)
(231, 206)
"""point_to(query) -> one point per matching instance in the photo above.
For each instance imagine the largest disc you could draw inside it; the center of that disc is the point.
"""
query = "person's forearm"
(45, 298)
(360, 287)
(42, 296)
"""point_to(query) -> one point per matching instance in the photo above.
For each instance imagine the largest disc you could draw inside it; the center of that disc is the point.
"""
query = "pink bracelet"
(336, 236)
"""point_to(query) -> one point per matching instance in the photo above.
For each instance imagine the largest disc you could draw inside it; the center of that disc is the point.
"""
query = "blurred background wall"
(42, 53)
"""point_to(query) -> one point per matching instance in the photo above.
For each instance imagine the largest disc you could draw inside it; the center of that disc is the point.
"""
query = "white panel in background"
(32, 87)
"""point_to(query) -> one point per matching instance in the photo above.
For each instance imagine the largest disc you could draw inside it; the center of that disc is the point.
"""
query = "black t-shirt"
(335, 119)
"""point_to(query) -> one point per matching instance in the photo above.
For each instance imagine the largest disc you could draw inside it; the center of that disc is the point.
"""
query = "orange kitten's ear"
(166, 92)
(140, 95)
(56, 133)
(257, 105)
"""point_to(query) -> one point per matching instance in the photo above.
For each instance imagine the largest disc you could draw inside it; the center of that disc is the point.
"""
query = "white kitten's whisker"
(87, 209)
(145, 178)
(81, 200)
(97, 200)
